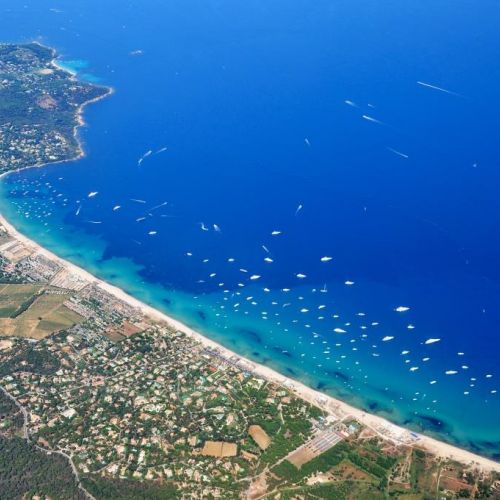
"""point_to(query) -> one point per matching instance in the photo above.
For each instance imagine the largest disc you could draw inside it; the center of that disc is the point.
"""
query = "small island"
(40, 107)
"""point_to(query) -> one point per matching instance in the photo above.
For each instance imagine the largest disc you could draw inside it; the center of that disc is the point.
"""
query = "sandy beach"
(333, 406)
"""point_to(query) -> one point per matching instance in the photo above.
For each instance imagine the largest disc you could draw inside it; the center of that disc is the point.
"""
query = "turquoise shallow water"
(264, 111)
(332, 363)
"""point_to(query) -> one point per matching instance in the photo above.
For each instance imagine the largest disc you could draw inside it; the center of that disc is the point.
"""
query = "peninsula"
(40, 108)
(102, 396)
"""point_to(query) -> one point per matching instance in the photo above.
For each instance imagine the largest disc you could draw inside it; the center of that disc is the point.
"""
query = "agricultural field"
(349, 469)
(34, 312)
(13, 297)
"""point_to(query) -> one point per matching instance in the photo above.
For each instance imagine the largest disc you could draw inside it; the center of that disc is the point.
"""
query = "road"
(44, 450)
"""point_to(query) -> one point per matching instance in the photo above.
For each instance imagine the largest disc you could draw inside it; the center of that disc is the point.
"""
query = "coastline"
(80, 122)
(79, 112)
(381, 426)
(338, 408)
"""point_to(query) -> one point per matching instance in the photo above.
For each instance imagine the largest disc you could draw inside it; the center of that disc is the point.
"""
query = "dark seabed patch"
(427, 422)
(279, 350)
(488, 447)
(376, 407)
(321, 386)
(338, 374)
(266, 361)
(492, 445)
(251, 335)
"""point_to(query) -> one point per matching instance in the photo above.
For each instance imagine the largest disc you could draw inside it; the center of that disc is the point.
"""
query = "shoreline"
(80, 152)
(336, 407)
(333, 406)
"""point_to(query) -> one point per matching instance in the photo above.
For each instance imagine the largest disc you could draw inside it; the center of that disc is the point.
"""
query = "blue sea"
(314, 184)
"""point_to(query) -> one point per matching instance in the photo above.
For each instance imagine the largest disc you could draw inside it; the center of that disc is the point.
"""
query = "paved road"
(23, 411)
(59, 452)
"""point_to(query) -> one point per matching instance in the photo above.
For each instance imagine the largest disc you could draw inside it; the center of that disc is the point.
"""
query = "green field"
(12, 297)
(44, 306)
(26, 311)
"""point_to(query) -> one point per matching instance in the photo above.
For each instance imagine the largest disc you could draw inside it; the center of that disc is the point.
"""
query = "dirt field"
(119, 332)
(44, 316)
(451, 482)
(5, 344)
(302, 456)
(260, 436)
(321, 443)
(18, 328)
(12, 297)
(219, 449)
(44, 306)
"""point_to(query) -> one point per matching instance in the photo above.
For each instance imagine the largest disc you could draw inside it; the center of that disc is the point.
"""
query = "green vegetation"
(11, 419)
(417, 467)
(16, 298)
(38, 107)
(289, 434)
(31, 359)
(350, 469)
(345, 490)
(322, 463)
(125, 489)
(329, 491)
(8, 276)
(26, 471)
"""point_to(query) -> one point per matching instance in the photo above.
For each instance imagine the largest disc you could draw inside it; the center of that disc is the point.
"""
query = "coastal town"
(103, 397)
(129, 399)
